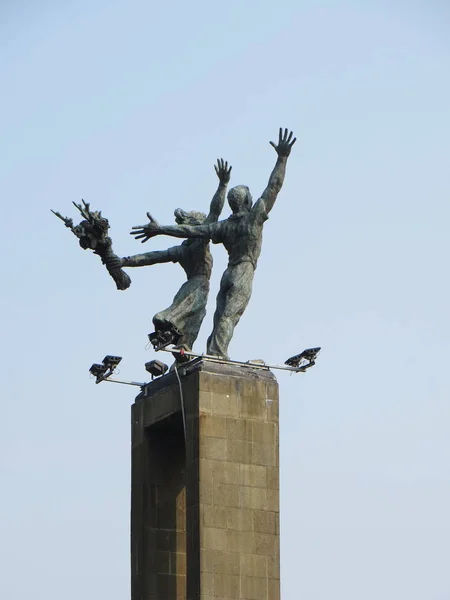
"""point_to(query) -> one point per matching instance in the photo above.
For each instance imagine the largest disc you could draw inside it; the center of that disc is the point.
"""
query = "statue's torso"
(242, 237)
(196, 258)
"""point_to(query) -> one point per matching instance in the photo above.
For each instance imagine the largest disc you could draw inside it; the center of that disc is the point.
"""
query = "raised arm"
(223, 173)
(276, 179)
(151, 229)
(152, 258)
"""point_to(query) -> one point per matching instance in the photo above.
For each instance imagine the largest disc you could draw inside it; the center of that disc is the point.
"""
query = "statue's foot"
(218, 356)
(163, 324)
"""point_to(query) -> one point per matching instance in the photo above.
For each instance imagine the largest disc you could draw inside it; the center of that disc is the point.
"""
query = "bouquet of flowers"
(92, 233)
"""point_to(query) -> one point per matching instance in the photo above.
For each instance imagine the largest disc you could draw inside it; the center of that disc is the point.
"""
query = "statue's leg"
(232, 300)
(187, 311)
(192, 328)
(176, 314)
(213, 346)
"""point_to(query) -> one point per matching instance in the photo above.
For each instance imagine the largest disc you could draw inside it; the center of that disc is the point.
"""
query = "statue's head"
(189, 218)
(240, 199)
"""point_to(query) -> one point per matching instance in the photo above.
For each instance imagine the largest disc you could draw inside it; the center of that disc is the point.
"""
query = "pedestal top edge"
(204, 366)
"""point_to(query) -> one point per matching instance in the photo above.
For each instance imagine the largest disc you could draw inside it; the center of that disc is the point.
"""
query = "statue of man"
(241, 234)
(188, 309)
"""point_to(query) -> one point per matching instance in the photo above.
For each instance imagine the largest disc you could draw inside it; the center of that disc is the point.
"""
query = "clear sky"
(128, 105)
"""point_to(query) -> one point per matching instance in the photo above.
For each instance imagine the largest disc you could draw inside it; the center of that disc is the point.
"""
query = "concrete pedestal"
(205, 512)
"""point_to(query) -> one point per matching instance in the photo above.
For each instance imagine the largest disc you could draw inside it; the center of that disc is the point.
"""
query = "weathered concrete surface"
(205, 515)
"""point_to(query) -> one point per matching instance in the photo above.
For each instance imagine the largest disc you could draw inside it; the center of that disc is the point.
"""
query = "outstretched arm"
(223, 173)
(152, 258)
(151, 229)
(276, 179)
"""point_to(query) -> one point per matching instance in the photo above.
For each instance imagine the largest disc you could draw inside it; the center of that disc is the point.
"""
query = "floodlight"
(111, 362)
(156, 368)
(161, 338)
(105, 370)
(305, 359)
(97, 370)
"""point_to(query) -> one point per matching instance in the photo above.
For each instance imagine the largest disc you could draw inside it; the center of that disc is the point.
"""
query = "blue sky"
(128, 105)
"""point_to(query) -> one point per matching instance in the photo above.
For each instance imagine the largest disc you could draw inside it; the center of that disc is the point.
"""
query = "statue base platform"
(205, 486)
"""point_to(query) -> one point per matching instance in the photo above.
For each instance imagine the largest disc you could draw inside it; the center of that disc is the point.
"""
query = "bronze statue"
(241, 234)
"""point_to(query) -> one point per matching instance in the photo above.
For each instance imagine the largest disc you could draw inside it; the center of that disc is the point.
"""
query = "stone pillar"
(205, 514)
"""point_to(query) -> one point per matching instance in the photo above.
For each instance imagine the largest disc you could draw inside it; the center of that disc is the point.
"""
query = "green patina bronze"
(241, 234)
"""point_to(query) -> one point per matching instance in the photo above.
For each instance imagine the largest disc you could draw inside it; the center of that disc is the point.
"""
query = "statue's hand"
(222, 171)
(285, 143)
(116, 263)
(145, 232)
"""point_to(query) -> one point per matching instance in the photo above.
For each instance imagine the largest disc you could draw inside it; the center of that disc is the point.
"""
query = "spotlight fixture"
(304, 360)
(161, 338)
(156, 368)
(106, 369)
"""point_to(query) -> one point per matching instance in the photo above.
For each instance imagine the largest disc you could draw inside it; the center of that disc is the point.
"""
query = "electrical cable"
(182, 400)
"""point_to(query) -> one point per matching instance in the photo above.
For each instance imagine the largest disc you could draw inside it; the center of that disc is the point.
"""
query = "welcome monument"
(205, 434)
